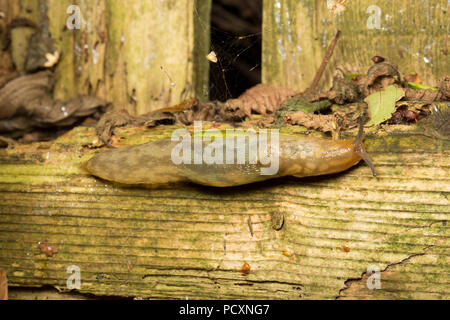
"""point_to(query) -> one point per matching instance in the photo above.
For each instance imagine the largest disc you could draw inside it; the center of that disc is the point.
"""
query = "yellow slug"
(152, 163)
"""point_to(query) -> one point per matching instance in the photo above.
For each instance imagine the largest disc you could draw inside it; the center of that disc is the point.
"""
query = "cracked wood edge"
(191, 242)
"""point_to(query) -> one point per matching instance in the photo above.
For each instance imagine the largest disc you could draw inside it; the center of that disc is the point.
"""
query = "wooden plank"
(142, 55)
(191, 242)
(412, 33)
(3, 286)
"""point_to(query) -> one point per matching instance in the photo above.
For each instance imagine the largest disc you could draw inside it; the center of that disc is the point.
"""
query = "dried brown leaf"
(324, 123)
(262, 99)
(48, 249)
(26, 104)
(379, 76)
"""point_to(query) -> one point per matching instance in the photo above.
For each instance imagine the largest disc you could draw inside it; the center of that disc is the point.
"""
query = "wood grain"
(192, 241)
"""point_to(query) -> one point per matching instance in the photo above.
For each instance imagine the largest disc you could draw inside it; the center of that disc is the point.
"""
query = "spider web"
(238, 52)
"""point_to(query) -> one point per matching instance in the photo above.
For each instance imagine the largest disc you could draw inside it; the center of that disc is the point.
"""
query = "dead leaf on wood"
(41, 53)
(26, 104)
(109, 122)
(3, 285)
(413, 77)
(260, 99)
(47, 249)
(5, 142)
(379, 76)
(430, 95)
(324, 123)
(409, 112)
(210, 111)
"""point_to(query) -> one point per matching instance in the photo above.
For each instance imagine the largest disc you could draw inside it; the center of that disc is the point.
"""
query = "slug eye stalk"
(359, 148)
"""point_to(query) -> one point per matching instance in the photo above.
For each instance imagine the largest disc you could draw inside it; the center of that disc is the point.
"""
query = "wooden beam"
(3, 286)
(191, 242)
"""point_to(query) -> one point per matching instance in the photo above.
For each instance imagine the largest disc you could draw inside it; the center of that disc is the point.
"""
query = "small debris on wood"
(250, 225)
(344, 248)
(47, 249)
(287, 253)
(52, 59)
(336, 6)
(413, 77)
(212, 57)
(324, 64)
(245, 269)
(277, 221)
(116, 119)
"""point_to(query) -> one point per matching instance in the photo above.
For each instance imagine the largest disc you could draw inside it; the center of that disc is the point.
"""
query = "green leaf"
(382, 104)
(419, 86)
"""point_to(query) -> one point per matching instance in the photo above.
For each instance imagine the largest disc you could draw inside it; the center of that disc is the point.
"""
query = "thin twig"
(327, 58)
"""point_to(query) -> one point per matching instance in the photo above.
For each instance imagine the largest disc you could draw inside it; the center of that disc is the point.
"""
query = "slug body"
(153, 163)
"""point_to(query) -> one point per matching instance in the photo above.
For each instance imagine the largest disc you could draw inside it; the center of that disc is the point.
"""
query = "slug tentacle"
(360, 151)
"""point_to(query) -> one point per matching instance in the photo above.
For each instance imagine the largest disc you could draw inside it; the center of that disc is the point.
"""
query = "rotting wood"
(412, 33)
(128, 52)
(191, 242)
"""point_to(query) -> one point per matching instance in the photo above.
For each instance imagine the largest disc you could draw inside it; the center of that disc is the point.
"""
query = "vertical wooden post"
(141, 55)
(3, 285)
(412, 33)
